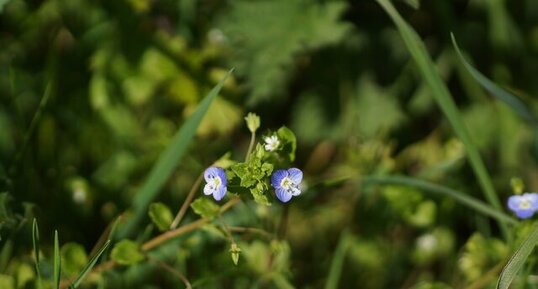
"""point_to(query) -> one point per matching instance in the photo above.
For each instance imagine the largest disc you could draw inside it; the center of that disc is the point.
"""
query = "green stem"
(251, 145)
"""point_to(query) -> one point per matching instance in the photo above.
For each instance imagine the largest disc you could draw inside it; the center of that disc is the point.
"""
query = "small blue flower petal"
(283, 195)
(296, 175)
(277, 177)
(220, 193)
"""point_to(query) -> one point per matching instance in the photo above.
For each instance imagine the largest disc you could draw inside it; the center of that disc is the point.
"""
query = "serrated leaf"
(160, 215)
(260, 197)
(266, 46)
(205, 208)
(127, 252)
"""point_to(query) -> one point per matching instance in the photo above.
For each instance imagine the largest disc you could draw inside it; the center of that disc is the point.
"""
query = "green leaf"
(161, 216)
(265, 47)
(74, 258)
(127, 252)
(511, 100)
(288, 141)
(260, 197)
(169, 159)
(57, 261)
(206, 208)
(443, 98)
(89, 266)
(517, 260)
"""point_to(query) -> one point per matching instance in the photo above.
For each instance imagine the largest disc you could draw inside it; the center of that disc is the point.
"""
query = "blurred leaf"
(169, 159)
(441, 190)
(446, 103)
(206, 208)
(415, 4)
(74, 258)
(57, 261)
(161, 216)
(221, 118)
(517, 260)
(509, 99)
(377, 111)
(127, 252)
(2, 4)
(90, 264)
(7, 282)
(265, 46)
(287, 141)
(480, 255)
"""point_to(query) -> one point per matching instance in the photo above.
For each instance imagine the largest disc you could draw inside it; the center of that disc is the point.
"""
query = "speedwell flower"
(271, 143)
(286, 183)
(524, 205)
(216, 182)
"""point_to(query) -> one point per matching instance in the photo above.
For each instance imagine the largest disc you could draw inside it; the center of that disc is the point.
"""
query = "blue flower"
(286, 183)
(524, 205)
(216, 182)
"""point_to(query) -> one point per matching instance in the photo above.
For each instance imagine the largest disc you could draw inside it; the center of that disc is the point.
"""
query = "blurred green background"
(91, 93)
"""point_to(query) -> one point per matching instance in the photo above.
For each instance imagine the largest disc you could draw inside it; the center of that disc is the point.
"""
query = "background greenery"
(92, 92)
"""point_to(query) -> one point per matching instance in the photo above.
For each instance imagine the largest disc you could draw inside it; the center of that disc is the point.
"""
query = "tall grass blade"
(337, 263)
(89, 266)
(168, 160)
(443, 191)
(511, 100)
(57, 261)
(517, 260)
(443, 98)
(35, 243)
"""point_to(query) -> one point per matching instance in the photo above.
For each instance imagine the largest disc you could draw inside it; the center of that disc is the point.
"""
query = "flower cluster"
(524, 206)
(285, 182)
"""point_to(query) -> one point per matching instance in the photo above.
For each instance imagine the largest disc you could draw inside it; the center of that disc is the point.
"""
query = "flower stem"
(251, 145)
(187, 202)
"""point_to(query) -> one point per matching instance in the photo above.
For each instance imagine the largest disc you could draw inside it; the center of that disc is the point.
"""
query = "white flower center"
(214, 182)
(525, 203)
(271, 143)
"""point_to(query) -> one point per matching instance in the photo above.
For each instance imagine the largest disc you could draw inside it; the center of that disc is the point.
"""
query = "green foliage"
(205, 208)
(481, 254)
(160, 215)
(254, 175)
(127, 252)
(517, 260)
(170, 157)
(89, 266)
(265, 47)
(74, 258)
(288, 142)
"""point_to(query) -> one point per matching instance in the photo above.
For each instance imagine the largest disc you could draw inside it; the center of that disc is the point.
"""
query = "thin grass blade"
(57, 261)
(35, 242)
(443, 98)
(89, 266)
(337, 263)
(168, 160)
(511, 100)
(429, 187)
(517, 260)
